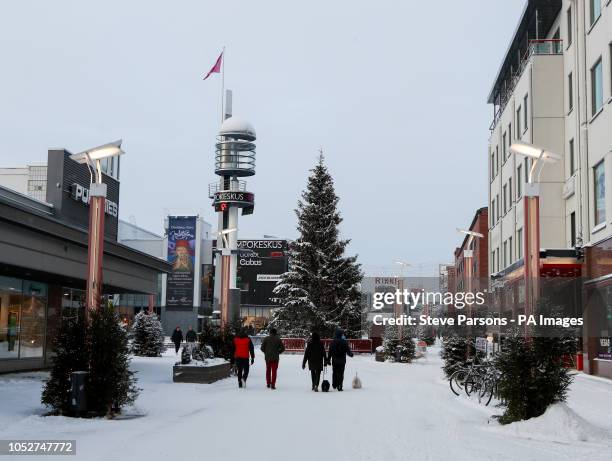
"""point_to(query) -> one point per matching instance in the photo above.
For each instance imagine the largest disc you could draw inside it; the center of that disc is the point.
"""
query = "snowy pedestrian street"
(403, 412)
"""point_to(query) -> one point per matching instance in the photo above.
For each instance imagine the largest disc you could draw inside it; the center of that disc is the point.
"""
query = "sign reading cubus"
(244, 200)
(181, 254)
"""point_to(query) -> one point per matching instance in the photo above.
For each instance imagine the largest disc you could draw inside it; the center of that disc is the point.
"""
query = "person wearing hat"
(182, 261)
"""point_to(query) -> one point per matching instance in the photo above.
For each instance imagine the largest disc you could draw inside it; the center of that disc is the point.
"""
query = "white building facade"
(554, 90)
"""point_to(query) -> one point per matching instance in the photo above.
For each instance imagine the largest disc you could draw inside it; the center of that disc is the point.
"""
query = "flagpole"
(222, 84)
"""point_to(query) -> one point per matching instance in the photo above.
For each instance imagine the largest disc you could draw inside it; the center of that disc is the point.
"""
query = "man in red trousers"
(272, 347)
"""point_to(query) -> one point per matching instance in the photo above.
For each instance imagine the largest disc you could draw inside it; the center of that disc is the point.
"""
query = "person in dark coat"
(190, 337)
(272, 347)
(177, 338)
(315, 356)
(243, 347)
(338, 350)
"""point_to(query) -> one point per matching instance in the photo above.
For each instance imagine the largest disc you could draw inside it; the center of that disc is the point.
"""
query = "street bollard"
(78, 395)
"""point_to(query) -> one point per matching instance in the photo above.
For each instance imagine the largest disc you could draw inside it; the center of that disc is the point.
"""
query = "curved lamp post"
(531, 225)
(97, 205)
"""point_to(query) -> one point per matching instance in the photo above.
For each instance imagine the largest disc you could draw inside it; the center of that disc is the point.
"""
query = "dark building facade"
(43, 262)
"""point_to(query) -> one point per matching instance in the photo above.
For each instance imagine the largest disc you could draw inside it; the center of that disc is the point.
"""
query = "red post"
(225, 287)
(97, 203)
(531, 230)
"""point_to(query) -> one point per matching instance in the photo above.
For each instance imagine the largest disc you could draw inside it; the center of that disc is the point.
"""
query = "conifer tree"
(70, 355)
(454, 353)
(321, 289)
(111, 384)
(148, 335)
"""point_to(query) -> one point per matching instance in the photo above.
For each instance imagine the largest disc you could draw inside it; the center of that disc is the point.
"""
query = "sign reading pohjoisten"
(181, 254)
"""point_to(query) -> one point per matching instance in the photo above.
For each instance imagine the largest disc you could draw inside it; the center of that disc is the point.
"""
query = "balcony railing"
(552, 46)
(218, 187)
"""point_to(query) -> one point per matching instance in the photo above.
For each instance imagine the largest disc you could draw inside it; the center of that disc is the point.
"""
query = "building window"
(504, 147)
(505, 259)
(571, 157)
(505, 198)
(496, 159)
(596, 87)
(519, 243)
(569, 26)
(519, 181)
(497, 202)
(518, 123)
(599, 178)
(573, 229)
(570, 92)
(526, 170)
(492, 166)
(595, 10)
(497, 260)
(492, 214)
(510, 250)
(525, 113)
(510, 196)
(510, 130)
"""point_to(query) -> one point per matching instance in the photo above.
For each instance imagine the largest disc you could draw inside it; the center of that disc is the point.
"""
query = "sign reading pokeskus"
(81, 194)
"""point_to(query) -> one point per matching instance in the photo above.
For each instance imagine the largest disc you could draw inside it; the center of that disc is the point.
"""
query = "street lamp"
(97, 205)
(399, 308)
(531, 225)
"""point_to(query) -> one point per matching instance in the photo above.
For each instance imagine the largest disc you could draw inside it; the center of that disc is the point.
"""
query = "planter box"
(200, 374)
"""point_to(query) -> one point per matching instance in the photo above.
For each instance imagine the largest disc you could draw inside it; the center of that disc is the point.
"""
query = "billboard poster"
(260, 264)
(181, 254)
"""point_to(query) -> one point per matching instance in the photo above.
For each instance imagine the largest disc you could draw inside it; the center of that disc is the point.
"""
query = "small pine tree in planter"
(533, 375)
(111, 384)
(406, 348)
(454, 353)
(70, 355)
(396, 349)
(148, 335)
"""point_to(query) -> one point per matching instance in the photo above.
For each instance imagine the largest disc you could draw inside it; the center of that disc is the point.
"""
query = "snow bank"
(558, 424)
(206, 363)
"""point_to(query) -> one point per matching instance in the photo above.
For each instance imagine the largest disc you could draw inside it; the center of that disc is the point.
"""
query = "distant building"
(480, 249)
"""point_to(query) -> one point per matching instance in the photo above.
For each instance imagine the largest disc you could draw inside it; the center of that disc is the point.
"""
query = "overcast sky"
(394, 91)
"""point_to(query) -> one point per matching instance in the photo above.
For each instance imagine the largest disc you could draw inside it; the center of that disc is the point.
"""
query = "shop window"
(22, 318)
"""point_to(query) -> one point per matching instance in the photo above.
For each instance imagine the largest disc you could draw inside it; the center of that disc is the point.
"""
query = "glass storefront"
(23, 305)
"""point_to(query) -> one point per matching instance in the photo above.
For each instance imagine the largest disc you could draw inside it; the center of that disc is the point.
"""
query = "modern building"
(43, 259)
(554, 90)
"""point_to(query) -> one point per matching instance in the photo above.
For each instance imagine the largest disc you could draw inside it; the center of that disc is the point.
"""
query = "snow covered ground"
(403, 412)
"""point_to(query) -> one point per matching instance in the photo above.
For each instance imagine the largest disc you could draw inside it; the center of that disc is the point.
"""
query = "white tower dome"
(239, 128)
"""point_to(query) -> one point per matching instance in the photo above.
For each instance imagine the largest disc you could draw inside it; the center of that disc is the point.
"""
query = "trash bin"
(78, 395)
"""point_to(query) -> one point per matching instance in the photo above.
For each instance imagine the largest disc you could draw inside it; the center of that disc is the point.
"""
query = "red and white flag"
(216, 68)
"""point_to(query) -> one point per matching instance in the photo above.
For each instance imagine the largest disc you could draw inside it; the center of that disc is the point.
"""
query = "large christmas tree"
(321, 289)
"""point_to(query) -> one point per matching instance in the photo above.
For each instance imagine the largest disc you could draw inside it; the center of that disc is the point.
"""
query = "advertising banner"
(181, 254)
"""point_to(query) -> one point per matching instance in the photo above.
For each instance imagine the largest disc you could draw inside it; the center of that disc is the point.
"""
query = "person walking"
(272, 347)
(177, 338)
(243, 347)
(315, 356)
(190, 336)
(338, 350)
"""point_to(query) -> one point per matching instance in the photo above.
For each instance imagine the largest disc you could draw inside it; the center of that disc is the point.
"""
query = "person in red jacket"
(243, 347)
